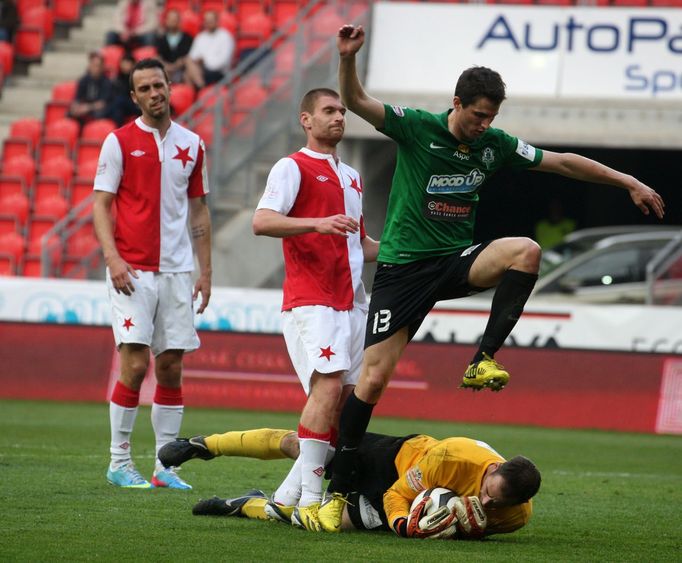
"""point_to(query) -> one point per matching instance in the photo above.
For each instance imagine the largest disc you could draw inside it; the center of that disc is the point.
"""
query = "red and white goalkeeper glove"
(471, 518)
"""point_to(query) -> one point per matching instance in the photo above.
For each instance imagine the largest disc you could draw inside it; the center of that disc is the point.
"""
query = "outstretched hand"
(350, 39)
(647, 199)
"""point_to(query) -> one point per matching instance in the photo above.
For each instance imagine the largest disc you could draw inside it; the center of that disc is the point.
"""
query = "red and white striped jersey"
(319, 269)
(153, 179)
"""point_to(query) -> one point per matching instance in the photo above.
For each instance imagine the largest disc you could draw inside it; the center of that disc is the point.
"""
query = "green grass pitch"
(605, 496)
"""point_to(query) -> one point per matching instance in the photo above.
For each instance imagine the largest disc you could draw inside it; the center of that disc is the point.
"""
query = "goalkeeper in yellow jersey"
(390, 473)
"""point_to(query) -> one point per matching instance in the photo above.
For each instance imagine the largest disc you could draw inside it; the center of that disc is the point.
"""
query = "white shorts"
(324, 340)
(158, 313)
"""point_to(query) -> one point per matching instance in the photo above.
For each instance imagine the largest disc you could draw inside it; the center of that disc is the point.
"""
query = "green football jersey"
(434, 193)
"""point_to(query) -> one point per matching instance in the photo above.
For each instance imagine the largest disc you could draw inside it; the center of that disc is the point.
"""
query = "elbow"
(257, 226)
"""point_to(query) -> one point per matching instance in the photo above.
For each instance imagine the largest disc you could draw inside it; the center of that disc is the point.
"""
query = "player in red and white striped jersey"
(155, 172)
(313, 201)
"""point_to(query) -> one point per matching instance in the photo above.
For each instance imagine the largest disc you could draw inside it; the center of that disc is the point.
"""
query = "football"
(441, 499)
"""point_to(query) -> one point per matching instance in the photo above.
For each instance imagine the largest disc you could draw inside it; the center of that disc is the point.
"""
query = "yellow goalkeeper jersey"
(457, 464)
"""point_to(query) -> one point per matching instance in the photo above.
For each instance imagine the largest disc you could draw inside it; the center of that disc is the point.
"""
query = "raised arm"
(349, 40)
(582, 168)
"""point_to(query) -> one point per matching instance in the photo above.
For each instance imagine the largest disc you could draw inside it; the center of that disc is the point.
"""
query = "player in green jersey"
(426, 253)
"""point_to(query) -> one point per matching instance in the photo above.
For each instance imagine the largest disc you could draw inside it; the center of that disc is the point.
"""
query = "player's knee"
(527, 255)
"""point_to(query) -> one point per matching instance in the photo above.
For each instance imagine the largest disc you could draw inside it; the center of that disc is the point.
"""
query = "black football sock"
(508, 302)
(353, 424)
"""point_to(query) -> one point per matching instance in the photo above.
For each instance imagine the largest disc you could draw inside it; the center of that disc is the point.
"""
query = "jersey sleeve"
(198, 179)
(519, 153)
(109, 166)
(282, 187)
(399, 122)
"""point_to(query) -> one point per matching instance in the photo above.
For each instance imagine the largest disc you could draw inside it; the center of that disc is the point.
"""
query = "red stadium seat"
(112, 55)
(32, 267)
(52, 148)
(181, 98)
(29, 44)
(81, 189)
(667, 3)
(10, 185)
(40, 17)
(58, 167)
(17, 205)
(8, 224)
(246, 8)
(87, 170)
(55, 111)
(217, 6)
(28, 128)
(7, 57)
(190, 22)
(65, 129)
(54, 207)
(7, 265)
(228, 21)
(22, 166)
(81, 245)
(47, 187)
(24, 6)
(64, 91)
(179, 5)
(16, 147)
(254, 30)
(97, 129)
(68, 11)
(205, 130)
(87, 151)
(146, 52)
(14, 245)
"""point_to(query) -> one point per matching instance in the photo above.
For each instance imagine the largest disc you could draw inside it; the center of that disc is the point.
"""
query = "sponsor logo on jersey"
(488, 157)
(442, 210)
(525, 150)
(138, 153)
(322, 178)
(435, 146)
(461, 155)
(398, 110)
(455, 183)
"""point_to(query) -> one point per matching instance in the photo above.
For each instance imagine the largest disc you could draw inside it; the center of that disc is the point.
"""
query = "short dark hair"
(144, 64)
(310, 98)
(480, 82)
(521, 479)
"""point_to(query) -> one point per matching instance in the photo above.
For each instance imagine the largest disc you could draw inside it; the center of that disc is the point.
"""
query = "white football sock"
(289, 490)
(313, 455)
(166, 421)
(122, 421)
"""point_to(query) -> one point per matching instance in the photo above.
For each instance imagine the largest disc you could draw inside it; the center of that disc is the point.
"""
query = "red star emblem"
(127, 323)
(354, 185)
(183, 154)
(327, 353)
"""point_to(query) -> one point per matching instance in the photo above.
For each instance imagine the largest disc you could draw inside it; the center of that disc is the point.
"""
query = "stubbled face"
(151, 92)
(491, 495)
(475, 119)
(327, 122)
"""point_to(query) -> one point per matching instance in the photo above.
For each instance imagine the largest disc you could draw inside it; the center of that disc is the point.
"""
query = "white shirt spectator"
(214, 49)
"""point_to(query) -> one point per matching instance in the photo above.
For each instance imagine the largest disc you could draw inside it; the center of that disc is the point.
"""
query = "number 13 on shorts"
(382, 321)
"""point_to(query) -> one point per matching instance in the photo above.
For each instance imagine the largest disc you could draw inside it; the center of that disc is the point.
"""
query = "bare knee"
(526, 254)
(168, 368)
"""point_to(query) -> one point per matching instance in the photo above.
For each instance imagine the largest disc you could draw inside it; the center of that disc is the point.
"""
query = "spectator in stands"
(94, 92)
(211, 53)
(122, 107)
(9, 20)
(135, 24)
(551, 230)
(173, 46)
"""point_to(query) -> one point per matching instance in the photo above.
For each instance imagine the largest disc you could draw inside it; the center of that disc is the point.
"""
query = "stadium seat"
(87, 151)
(205, 130)
(213, 6)
(190, 22)
(228, 21)
(13, 244)
(41, 17)
(97, 129)
(58, 167)
(65, 129)
(179, 5)
(283, 11)
(32, 267)
(7, 265)
(29, 44)
(246, 8)
(112, 55)
(48, 186)
(145, 52)
(54, 207)
(81, 245)
(322, 29)
(87, 170)
(630, 2)
(81, 190)
(22, 166)
(24, 6)
(68, 11)
(10, 185)
(667, 3)
(17, 205)
(52, 148)
(247, 98)
(37, 229)
(254, 30)
(181, 98)
(28, 128)
(16, 147)
(55, 111)
(7, 57)
(64, 91)
(8, 224)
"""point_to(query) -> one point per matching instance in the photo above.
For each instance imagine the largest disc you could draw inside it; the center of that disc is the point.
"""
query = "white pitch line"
(623, 475)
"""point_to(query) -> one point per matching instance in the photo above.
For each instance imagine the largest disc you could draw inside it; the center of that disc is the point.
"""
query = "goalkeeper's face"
(492, 492)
